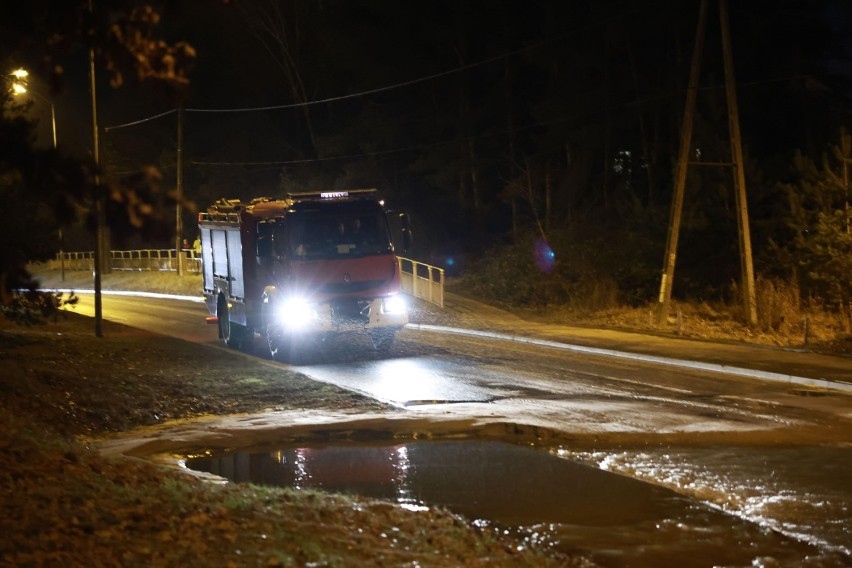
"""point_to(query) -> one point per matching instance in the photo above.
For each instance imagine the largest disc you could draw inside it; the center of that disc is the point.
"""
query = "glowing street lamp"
(19, 87)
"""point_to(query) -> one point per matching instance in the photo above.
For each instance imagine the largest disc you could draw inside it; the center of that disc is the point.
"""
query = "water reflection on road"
(553, 501)
(406, 380)
(802, 492)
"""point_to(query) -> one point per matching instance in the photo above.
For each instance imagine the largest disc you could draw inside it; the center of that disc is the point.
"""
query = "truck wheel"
(276, 341)
(382, 339)
(279, 345)
(232, 334)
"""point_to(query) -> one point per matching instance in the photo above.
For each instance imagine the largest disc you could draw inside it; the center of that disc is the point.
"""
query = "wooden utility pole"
(179, 258)
(680, 179)
(100, 199)
(746, 265)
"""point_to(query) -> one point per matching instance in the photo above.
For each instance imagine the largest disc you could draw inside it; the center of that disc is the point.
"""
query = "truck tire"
(382, 338)
(279, 344)
(232, 334)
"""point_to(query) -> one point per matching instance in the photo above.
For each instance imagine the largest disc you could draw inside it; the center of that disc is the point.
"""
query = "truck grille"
(348, 311)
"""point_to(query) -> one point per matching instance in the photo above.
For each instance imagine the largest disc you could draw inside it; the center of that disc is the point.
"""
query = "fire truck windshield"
(335, 232)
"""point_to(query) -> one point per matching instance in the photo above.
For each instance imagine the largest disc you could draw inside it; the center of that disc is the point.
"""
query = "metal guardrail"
(422, 280)
(419, 279)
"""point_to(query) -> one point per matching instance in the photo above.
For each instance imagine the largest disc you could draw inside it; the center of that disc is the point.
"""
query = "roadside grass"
(782, 321)
(806, 328)
(150, 281)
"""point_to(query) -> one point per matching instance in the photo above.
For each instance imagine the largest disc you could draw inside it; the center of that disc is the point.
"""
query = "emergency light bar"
(328, 195)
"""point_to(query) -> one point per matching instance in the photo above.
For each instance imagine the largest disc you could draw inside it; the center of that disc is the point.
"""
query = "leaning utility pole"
(744, 234)
(680, 179)
(746, 264)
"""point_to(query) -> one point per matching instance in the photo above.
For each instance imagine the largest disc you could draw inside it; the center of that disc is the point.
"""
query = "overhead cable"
(134, 123)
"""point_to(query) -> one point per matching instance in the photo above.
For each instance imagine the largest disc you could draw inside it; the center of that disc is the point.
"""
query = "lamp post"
(19, 87)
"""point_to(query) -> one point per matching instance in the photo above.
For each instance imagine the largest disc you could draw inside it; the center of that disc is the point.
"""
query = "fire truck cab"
(300, 270)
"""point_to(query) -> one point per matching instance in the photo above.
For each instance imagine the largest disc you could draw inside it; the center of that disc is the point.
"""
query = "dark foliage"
(34, 307)
(818, 252)
(44, 191)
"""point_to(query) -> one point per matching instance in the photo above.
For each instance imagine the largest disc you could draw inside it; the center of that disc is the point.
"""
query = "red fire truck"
(302, 269)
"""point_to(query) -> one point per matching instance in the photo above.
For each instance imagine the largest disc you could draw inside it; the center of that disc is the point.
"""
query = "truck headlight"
(394, 305)
(296, 313)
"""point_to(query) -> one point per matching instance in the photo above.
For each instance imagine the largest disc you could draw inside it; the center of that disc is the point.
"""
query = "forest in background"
(533, 143)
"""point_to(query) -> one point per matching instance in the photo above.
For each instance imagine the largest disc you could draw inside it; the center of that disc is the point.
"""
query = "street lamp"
(19, 87)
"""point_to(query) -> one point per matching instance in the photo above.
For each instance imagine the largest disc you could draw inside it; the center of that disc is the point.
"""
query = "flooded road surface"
(558, 502)
(801, 492)
(426, 380)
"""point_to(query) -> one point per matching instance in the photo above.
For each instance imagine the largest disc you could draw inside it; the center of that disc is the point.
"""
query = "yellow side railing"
(422, 280)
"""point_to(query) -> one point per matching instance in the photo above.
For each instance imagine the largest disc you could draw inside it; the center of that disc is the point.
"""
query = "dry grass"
(811, 329)
(161, 282)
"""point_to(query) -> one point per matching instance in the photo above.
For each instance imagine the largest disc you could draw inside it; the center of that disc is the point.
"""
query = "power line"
(326, 159)
(504, 132)
(424, 78)
(428, 145)
(134, 123)
(402, 84)
(359, 94)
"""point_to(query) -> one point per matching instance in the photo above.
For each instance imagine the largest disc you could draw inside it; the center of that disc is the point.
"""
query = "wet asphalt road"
(562, 389)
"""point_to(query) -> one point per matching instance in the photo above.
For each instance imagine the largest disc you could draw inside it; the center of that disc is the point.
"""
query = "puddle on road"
(550, 501)
(802, 492)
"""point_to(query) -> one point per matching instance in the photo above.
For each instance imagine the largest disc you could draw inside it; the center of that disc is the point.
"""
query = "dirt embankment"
(63, 504)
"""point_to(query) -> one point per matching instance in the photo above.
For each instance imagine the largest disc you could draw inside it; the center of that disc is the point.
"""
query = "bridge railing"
(422, 280)
(162, 260)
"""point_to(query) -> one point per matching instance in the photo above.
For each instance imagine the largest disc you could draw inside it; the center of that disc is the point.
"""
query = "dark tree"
(44, 190)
